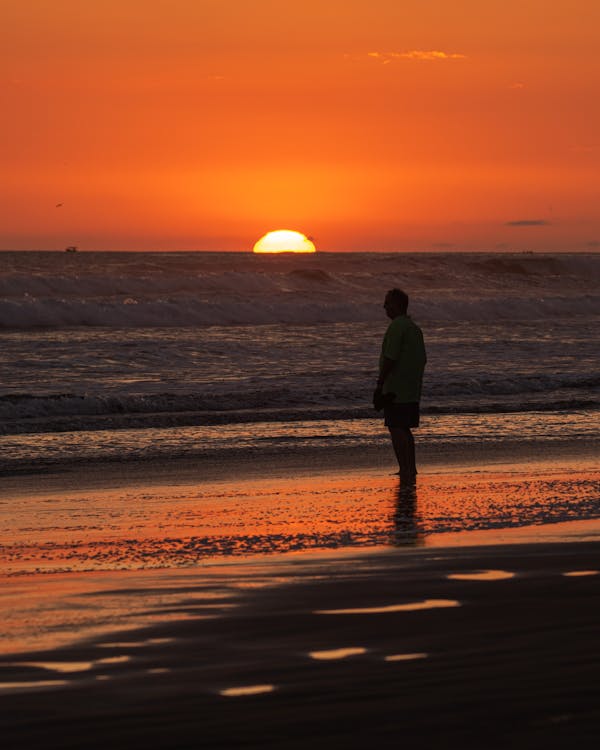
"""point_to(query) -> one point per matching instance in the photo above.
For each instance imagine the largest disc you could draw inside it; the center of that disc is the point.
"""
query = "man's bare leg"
(411, 453)
(403, 443)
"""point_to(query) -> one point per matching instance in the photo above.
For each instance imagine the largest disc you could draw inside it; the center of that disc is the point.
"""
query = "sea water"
(144, 357)
(154, 355)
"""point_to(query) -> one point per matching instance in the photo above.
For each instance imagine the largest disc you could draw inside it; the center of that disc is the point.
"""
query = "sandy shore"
(474, 647)
(477, 638)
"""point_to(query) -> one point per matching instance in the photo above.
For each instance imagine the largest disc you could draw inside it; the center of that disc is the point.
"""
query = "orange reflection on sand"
(135, 644)
(160, 526)
(579, 573)
(166, 527)
(96, 604)
(113, 660)
(406, 657)
(337, 653)
(410, 607)
(482, 575)
(59, 666)
(234, 692)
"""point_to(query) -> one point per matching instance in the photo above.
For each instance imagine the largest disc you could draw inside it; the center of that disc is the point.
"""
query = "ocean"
(157, 355)
(121, 364)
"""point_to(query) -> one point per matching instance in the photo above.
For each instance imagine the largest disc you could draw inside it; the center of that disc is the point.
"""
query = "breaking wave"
(201, 289)
(24, 412)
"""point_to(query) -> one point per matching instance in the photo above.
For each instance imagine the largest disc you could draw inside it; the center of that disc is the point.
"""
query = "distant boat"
(71, 249)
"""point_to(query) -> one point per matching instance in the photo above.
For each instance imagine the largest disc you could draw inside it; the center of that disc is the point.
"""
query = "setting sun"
(284, 241)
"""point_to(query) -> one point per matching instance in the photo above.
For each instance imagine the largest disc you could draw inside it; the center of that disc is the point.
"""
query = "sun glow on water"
(284, 241)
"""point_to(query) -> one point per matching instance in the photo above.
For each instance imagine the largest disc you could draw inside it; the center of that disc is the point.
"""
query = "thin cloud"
(420, 55)
(528, 223)
(583, 149)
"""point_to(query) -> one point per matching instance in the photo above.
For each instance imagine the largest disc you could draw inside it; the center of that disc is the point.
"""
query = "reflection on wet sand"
(338, 653)
(406, 530)
(577, 573)
(482, 575)
(405, 657)
(183, 526)
(234, 692)
(39, 684)
(113, 660)
(409, 607)
(66, 667)
(135, 644)
(58, 666)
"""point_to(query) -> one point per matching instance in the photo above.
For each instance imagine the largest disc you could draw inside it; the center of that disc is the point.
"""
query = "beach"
(202, 538)
(363, 622)
(247, 249)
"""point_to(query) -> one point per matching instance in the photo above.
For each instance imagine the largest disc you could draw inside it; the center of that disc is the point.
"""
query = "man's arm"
(386, 368)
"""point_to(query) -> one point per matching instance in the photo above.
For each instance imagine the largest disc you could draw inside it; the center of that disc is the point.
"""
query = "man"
(398, 391)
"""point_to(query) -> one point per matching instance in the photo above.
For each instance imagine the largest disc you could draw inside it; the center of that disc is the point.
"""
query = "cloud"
(416, 54)
(593, 243)
(528, 223)
(518, 86)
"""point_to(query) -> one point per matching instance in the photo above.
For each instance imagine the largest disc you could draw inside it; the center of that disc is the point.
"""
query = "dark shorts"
(402, 415)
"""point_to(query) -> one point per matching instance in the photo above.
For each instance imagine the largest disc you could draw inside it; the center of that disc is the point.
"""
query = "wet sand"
(448, 647)
(151, 522)
(479, 638)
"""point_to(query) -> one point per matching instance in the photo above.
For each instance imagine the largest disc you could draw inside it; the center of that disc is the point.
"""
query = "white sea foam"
(26, 412)
(200, 289)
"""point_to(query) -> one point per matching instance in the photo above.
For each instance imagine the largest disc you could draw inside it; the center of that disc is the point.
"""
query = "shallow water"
(281, 439)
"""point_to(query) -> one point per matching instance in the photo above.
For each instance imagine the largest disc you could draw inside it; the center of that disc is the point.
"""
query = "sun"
(284, 241)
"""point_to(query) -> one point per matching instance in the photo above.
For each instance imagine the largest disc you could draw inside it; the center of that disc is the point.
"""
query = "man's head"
(396, 303)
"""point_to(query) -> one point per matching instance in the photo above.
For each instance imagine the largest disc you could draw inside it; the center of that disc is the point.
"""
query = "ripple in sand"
(405, 657)
(410, 607)
(337, 653)
(234, 692)
(135, 644)
(67, 667)
(113, 660)
(578, 573)
(32, 685)
(60, 666)
(261, 583)
(482, 575)
(160, 641)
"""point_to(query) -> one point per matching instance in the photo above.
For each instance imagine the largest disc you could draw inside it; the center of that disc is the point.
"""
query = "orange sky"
(368, 124)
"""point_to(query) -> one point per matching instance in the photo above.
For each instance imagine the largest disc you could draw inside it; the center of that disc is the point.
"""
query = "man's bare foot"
(409, 479)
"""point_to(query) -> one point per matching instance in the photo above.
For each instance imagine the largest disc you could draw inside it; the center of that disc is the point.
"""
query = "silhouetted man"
(398, 392)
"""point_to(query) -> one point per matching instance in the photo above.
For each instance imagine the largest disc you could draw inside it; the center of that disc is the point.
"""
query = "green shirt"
(403, 343)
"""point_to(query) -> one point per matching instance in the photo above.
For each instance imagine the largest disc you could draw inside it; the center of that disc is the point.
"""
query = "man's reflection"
(406, 530)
